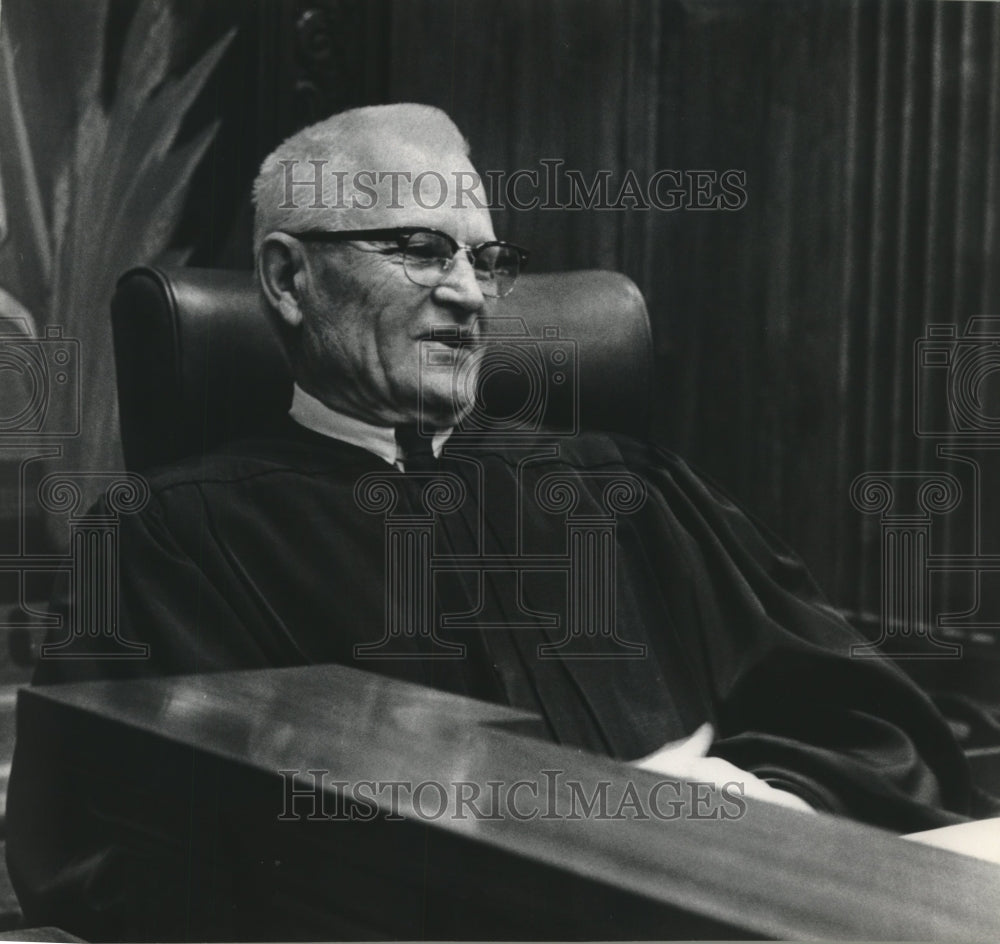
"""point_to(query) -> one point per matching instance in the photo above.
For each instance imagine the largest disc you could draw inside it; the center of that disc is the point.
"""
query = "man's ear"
(281, 274)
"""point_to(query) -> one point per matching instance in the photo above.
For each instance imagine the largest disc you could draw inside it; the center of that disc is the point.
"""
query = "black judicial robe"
(263, 554)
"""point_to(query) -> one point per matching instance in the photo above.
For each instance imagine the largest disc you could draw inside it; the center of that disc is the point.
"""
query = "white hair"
(354, 140)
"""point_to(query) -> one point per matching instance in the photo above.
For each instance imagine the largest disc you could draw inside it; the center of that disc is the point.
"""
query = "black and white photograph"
(499, 471)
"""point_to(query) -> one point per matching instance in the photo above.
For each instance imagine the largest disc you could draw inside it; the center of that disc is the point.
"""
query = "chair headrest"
(199, 359)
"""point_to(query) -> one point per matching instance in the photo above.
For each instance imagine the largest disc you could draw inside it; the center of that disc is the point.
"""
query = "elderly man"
(260, 555)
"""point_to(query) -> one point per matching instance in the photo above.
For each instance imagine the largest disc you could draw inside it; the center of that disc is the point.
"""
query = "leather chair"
(199, 359)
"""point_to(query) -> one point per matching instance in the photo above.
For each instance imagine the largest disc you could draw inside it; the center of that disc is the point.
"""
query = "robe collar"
(313, 414)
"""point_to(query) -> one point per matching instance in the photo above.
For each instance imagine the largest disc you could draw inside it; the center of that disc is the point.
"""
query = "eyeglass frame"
(398, 233)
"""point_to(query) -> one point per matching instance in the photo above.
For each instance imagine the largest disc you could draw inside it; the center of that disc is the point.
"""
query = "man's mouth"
(452, 338)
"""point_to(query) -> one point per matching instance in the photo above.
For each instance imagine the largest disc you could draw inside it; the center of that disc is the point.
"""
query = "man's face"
(367, 328)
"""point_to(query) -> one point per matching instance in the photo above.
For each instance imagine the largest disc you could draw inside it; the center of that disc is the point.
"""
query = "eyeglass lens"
(427, 257)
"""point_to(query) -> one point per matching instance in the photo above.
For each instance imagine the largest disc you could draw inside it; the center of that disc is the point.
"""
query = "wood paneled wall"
(868, 133)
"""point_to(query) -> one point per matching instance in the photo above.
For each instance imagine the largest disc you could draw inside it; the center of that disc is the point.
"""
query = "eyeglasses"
(429, 255)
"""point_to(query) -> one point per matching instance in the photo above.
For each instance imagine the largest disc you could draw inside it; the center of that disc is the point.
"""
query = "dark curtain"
(868, 133)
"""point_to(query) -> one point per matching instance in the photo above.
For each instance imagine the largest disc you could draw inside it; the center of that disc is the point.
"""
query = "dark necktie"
(418, 455)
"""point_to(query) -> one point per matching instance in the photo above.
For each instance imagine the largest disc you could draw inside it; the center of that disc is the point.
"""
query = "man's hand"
(686, 759)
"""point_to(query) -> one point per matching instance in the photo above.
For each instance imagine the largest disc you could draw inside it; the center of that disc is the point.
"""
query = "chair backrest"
(199, 359)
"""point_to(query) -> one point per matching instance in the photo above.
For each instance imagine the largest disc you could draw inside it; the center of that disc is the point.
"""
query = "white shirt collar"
(311, 413)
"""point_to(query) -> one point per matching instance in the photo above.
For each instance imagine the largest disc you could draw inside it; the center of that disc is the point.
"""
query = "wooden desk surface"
(769, 873)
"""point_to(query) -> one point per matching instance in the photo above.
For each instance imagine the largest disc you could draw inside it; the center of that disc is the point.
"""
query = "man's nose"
(460, 287)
